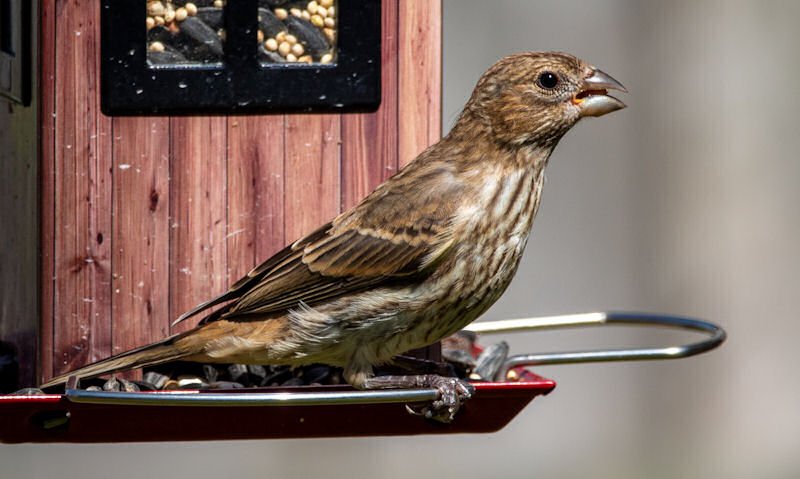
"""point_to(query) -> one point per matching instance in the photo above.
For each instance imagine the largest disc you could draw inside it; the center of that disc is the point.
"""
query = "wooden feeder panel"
(141, 218)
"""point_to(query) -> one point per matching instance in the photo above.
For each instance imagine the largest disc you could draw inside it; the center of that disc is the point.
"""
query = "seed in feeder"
(297, 49)
(312, 7)
(305, 59)
(305, 15)
(281, 37)
(238, 372)
(127, 386)
(330, 33)
(150, 22)
(329, 22)
(157, 47)
(156, 379)
(296, 12)
(322, 12)
(191, 382)
(284, 48)
(332, 11)
(180, 14)
(291, 58)
(260, 36)
(291, 39)
(326, 3)
(281, 13)
(225, 385)
(159, 20)
(317, 21)
(169, 16)
(111, 385)
(326, 58)
(191, 8)
(271, 44)
(155, 8)
(293, 382)
(221, 34)
(170, 385)
(219, 3)
(202, 34)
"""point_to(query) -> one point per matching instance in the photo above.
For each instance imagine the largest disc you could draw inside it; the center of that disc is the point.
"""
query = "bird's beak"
(593, 98)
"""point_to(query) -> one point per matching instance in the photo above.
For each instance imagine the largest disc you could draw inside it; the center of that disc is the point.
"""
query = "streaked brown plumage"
(422, 256)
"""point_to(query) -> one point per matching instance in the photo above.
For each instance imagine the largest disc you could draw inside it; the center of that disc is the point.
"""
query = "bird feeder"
(121, 222)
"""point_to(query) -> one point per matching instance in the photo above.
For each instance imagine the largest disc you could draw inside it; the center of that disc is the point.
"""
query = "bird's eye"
(547, 80)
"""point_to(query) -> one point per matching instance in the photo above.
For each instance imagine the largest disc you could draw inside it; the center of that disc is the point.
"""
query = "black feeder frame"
(240, 84)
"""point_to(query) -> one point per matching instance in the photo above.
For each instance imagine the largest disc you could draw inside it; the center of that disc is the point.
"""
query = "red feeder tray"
(265, 413)
(319, 411)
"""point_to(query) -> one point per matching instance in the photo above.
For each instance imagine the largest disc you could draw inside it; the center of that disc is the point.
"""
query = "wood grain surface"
(140, 223)
(419, 77)
(369, 154)
(143, 218)
(312, 186)
(198, 245)
(255, 191)
(82, 307)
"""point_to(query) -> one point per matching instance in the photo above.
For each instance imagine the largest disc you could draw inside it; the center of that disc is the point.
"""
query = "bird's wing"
(389, 236)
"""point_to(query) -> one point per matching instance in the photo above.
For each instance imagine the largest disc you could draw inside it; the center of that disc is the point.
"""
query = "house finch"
(419, 258)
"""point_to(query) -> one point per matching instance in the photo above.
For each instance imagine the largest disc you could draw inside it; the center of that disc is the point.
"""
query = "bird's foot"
(453, 392)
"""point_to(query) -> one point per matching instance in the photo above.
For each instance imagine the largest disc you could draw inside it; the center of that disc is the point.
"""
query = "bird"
(420, 257)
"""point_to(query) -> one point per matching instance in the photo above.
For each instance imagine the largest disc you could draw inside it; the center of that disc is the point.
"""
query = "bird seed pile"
(192, 32)
(458, 354)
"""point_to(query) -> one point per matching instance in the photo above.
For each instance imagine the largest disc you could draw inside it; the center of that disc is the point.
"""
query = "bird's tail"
(156, 353)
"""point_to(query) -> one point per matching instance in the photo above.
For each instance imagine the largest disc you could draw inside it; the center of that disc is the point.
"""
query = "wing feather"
(384, 239)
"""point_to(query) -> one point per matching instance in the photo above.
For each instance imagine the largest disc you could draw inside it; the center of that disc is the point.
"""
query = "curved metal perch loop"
(717, 336)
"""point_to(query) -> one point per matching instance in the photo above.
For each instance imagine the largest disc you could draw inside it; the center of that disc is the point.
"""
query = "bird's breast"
(491, 231)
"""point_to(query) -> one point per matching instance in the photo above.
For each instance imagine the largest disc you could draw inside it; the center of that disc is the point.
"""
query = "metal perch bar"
(717, 336)
(252, 399)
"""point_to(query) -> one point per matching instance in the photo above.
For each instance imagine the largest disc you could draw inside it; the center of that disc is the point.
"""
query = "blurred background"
(684, 203)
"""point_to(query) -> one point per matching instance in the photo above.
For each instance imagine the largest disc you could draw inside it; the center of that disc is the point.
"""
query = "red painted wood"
(255, 191)
(82, 193)
(240, 188)
(140, 240)
(312, 186)
(198, 269)
(47, 108)
(369, 146)
(419, 77)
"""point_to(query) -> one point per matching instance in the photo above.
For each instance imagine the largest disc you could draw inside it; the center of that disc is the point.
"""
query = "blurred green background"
(685, 203)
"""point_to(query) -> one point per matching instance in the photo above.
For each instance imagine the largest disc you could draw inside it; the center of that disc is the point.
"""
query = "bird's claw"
(453, 392)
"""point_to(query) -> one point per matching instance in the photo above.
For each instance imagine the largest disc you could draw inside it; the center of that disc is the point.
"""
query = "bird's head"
(536, 97)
